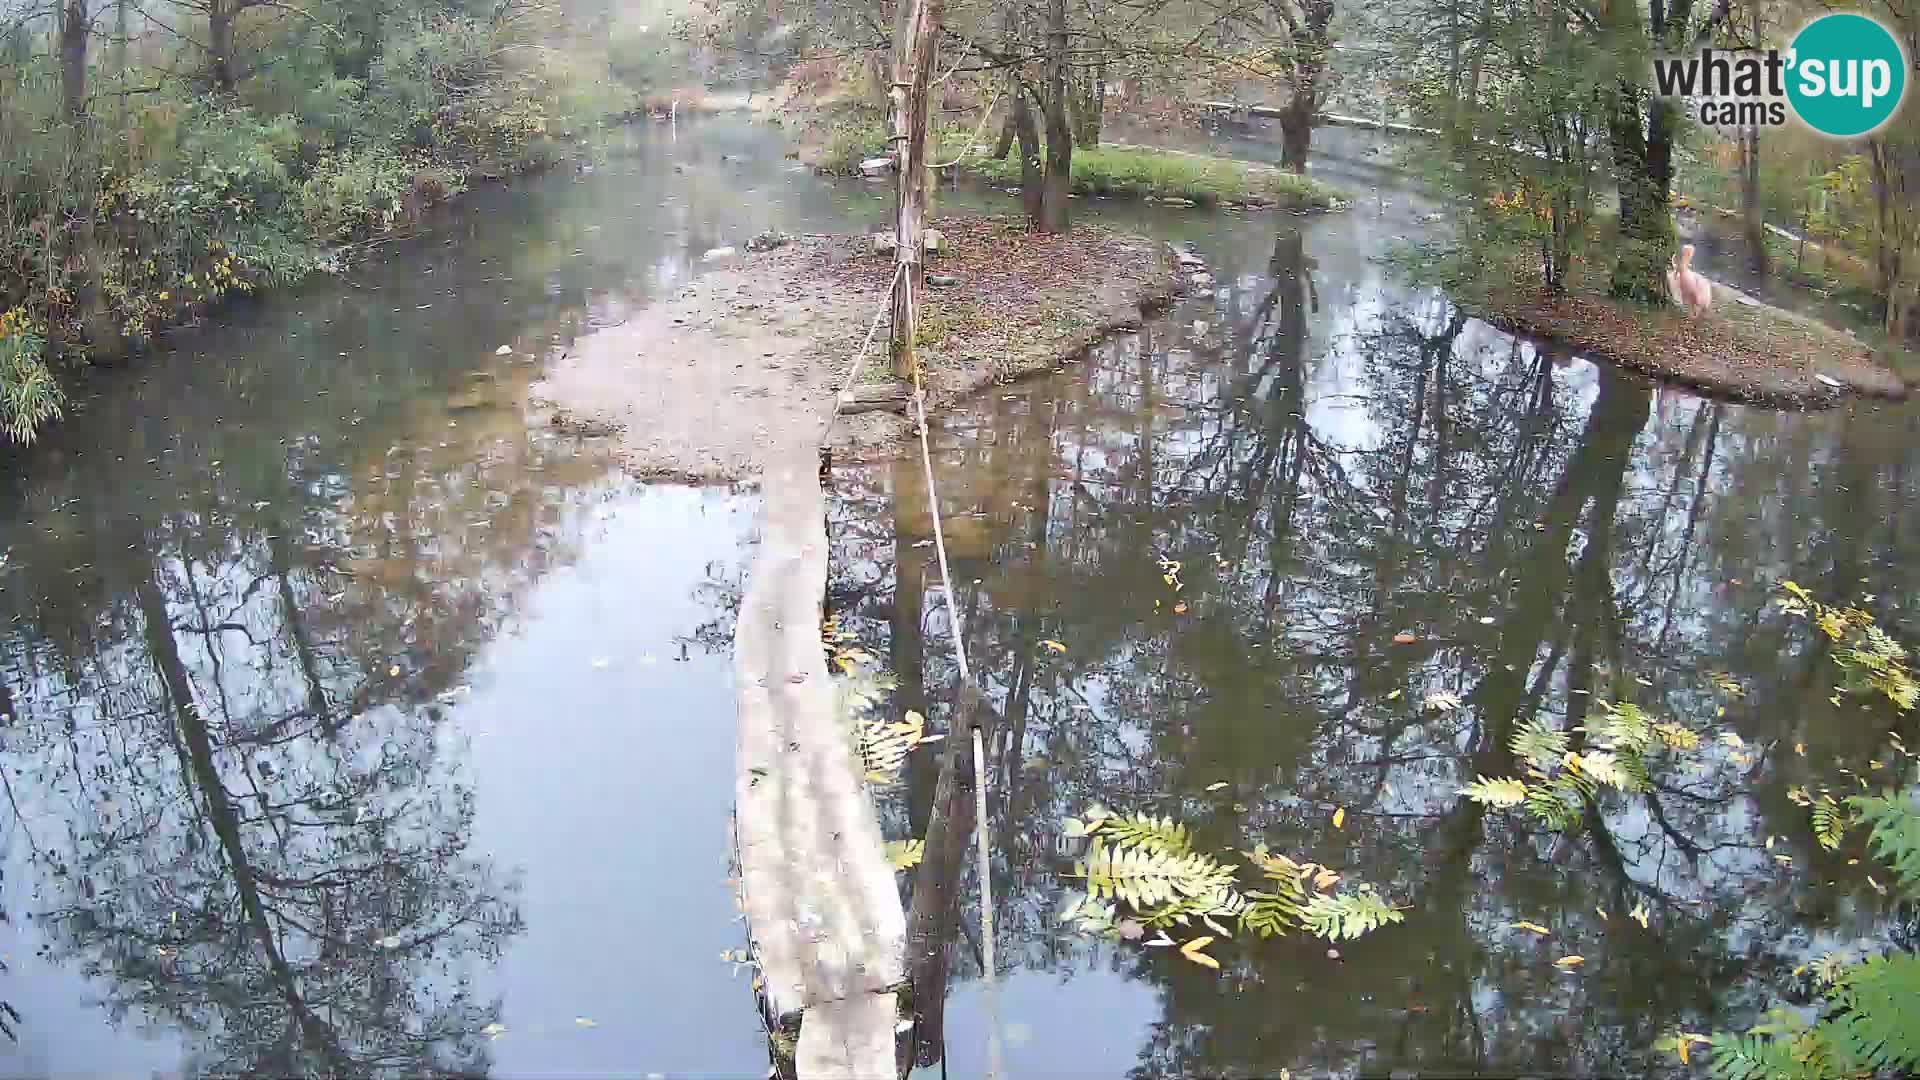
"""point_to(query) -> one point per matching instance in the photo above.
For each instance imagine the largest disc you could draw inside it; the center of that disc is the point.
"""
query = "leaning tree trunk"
(1004, 145)
(1059, 171)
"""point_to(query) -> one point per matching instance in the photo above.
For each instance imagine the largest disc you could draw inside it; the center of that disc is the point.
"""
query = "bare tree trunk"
(74, 30)
(1089, 93)
(910, 98)
(220, 45)
(1752, 218)
(1032, 194)
(1059, 171)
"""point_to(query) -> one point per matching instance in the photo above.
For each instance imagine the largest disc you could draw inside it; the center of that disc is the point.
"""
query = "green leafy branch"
(1142, 874)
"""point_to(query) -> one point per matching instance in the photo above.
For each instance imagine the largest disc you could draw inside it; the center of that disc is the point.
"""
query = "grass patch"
(1129, 172)
(836, 141)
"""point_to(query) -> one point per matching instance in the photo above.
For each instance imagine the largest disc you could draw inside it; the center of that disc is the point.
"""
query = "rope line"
(860, 358)
(982, 849)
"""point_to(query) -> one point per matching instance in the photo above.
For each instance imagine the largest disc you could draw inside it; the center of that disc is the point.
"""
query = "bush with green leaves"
(29, 396)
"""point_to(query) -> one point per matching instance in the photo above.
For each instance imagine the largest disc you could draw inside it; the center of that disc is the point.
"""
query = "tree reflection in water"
(1336, 461)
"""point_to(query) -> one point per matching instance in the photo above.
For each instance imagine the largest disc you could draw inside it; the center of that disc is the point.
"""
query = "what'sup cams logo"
(1844, 75)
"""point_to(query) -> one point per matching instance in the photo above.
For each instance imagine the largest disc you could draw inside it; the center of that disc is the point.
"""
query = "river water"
(352, 723)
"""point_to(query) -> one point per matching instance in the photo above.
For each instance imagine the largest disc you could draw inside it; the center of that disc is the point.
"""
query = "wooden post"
(909, 94)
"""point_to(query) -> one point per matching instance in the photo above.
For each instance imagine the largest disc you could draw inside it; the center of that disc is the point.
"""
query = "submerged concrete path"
(823, 910)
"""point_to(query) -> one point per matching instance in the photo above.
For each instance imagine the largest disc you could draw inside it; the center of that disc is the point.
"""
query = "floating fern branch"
(1143, 878)
(1829, 822)
(1344, 917)
(1161, 834)
(1540, 745)
(1505, 791)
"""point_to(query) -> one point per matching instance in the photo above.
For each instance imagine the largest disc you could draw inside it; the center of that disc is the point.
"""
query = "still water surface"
(357, 725)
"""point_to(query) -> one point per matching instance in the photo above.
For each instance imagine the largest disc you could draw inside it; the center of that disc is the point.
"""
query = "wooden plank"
(823, 910)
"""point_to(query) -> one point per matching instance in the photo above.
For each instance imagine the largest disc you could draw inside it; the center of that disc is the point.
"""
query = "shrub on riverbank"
(128, 211)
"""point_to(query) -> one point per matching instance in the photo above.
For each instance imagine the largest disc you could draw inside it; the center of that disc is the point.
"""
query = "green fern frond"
(1539, 744)
(1878, 1022)
(1895, 839)
(1829, 822)
(1558, 805)
(1601, 766)
(1624, 728)
(1505, 791)
(1347, 916)
(1144, 879)
(1161, 834)
(1752, 1057)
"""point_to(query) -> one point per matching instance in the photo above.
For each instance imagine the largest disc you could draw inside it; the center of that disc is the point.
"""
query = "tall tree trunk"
(1751, 216)
(1642, 129)
(911, 79)
(1310, 48)
(74, 30)
(220, 45)
(1089, 99)
(1296, 133)
(1059, 172)
(1032, 193)
(1643, 171)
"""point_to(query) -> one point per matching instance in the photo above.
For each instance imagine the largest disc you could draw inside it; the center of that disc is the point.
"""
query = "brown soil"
(745, 362)
(1741, 351)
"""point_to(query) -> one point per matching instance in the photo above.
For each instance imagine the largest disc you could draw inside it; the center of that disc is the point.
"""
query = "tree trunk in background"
(1296, 134)
(1004, 145)
(73, 58)
(1751, 214)
(1032, 193)
(1896, 189)
(1089, 101)
(1643, 170)
(1312, 42)
(220, 45)
(1059, 170)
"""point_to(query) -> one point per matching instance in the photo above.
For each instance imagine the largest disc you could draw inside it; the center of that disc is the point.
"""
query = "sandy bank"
(745, 361)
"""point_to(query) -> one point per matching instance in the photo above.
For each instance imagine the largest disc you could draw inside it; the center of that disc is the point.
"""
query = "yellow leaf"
(1800, 748)
(1191, 950)
(1395, 696)
(1568, 963)
(1340, 818)
(1216, 785)
(1639, 914)
(1533, 926)
(1054, 646)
